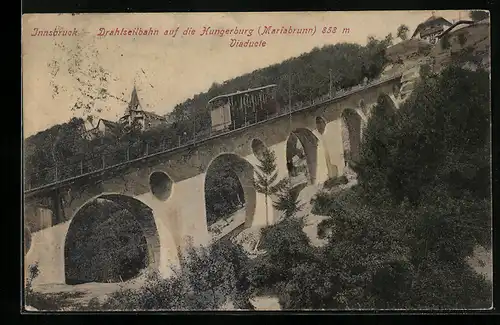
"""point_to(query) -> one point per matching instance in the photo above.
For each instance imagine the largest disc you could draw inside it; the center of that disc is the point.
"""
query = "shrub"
(335, 181)
(207, 279)
(46, 301)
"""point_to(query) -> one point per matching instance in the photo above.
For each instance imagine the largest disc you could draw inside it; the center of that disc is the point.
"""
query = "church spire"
(134, 103)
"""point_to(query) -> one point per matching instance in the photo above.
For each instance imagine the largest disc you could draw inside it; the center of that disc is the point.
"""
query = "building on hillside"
(101, 128)
(471, 38)
(431, 28)
(136, 117)
(90, 123)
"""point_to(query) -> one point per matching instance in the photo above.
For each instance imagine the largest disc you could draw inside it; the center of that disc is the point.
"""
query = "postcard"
(257, 161)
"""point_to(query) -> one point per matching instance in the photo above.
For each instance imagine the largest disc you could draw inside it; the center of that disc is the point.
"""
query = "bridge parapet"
(59, 175)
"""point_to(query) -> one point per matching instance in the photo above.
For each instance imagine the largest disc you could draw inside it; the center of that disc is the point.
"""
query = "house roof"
(147, 114)
(154, 115)
(112, 126)
(431, 20)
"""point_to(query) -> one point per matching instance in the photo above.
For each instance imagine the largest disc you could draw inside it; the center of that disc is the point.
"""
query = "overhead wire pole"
(194, 127)
(289, 87)
(290, 92)
(330, 75)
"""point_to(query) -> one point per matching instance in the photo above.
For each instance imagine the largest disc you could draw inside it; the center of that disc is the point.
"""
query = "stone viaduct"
(165, 192)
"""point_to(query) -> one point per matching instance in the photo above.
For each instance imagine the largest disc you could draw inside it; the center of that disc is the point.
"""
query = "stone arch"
(351, 135)
(232, 164)
(82, 226)
(303, 144)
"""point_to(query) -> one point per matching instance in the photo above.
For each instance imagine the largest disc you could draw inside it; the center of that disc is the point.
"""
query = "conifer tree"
(287, 200)
(266, 176)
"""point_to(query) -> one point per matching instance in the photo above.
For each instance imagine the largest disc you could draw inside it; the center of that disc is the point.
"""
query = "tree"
(445, 42)
(454, 141)
(287, 200)
(286, 246)
(403, 32)
(462, 39)
(265, 181)
(425, 70)
(478, 15)
(376, 147)
(388, 40)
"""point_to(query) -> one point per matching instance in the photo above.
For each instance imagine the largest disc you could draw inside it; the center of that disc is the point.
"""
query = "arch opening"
(302, 156)
(160, 185)
(230, 197)
(320, 124)
(110, 239)
(396, 90)
(351, 135)
(387, 103)
(258, 148)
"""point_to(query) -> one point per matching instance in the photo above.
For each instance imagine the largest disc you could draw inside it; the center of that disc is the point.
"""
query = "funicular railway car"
(243, 108)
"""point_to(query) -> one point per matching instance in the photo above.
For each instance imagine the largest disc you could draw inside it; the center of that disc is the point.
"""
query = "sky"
(59, 72)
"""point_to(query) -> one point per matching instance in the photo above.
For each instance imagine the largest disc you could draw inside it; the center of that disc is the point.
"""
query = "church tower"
(134, 104)
(133, 112)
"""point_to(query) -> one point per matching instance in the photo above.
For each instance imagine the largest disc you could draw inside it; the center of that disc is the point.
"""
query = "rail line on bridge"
(325, 99)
